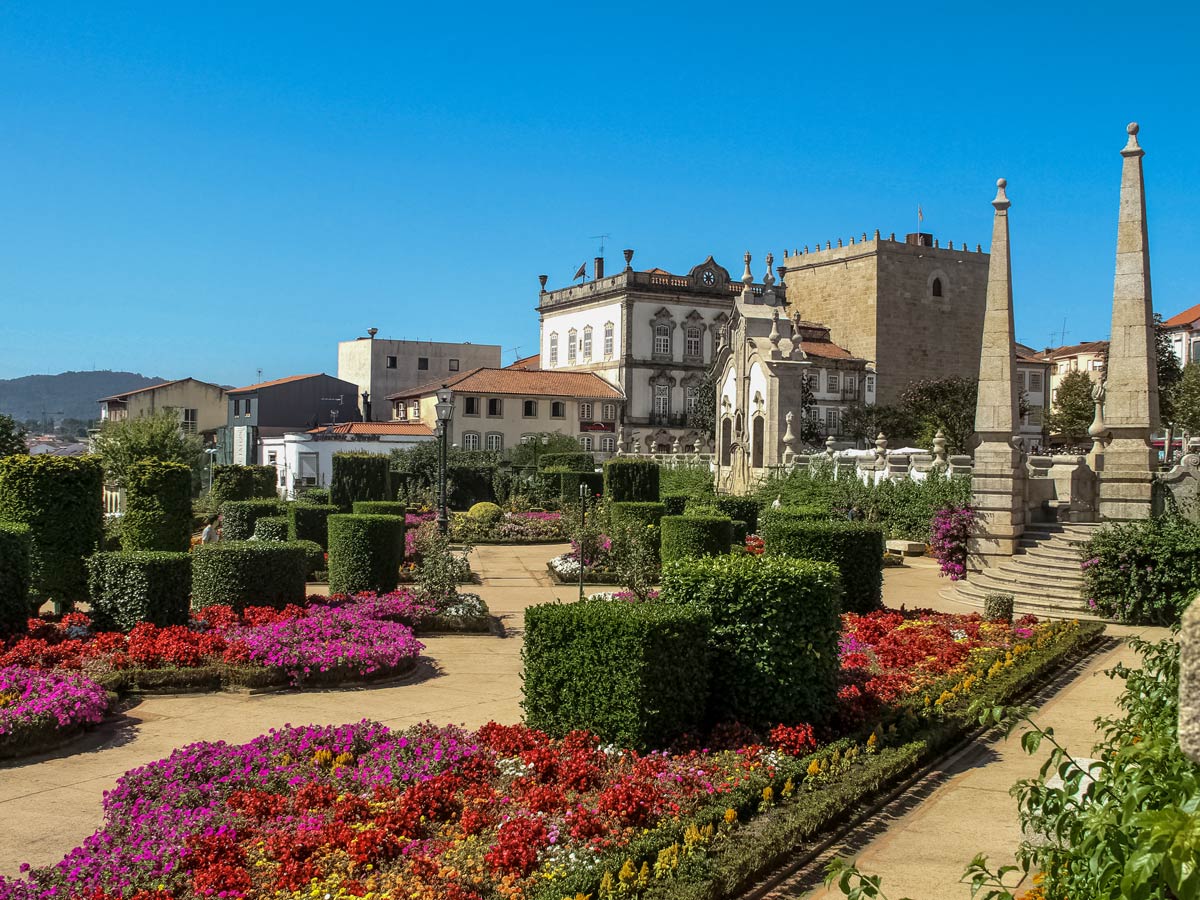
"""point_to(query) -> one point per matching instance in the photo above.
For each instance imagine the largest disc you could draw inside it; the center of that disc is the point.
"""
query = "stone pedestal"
(1126, 473)
(998, 483)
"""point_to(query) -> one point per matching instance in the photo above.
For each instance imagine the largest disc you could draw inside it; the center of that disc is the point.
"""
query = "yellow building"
(200, 405)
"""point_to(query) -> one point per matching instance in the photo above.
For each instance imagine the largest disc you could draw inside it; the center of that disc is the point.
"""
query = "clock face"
(708, 277)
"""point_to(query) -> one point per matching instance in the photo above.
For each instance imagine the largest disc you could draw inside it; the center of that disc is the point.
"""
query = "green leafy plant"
(684, 481)
(365, 553)
(1145, 571)
(485, 512)
(248, 573)
(998, 607)
(692, 536)
(1073, 409)
(239, 517)
(567, 461)
(743, 509)
(14, 577)
(360, 476)
(12, 437)
(379, 508)
(635, 555)
(122, 442)
(441, 570)
(310, 522)
(158, 507)
(271, 528)
(855, 548)
(140, 586)
(674, 504)
(241, 483)
(631, 479)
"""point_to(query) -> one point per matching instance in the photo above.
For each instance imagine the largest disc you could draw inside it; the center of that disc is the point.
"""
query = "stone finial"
(830, 446)
(774, 336)
(789, 438)
(829, 244)
(806, 249)
(1132, 148)
(781, 270)
(979, 248)
(876, 234)
(864, 237)
(939, 449)
(892, 237)
(839, 242)
(769, 278)
(880, 447)
(851, 240)
(542, 281)
(747, 276)
(635, 446)
(723, 335)
(950, 245)
(628, 259)
(1001, 201)
(676, 445)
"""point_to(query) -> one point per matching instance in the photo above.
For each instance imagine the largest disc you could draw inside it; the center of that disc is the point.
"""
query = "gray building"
(380, 367)
(273, 408)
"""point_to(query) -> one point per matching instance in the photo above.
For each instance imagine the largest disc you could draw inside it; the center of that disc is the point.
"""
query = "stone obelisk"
(998, 479)
(1127, 464)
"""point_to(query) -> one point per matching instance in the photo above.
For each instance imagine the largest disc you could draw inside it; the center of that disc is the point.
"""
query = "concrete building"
(1184, 330)
(304, 459)
(1033, 381)
(495, 409)
(381, 367)
(1088, 356)
(274, 408)
(199, 405)
(912, 309)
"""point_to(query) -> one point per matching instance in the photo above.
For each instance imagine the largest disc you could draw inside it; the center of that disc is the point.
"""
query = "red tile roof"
(263, 384)
(1075, 349)
(1187, 317)
(526, 382)
(411, 428)
(529, 362)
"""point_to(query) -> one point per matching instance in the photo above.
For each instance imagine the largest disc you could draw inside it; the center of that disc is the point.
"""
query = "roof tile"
(527, 382)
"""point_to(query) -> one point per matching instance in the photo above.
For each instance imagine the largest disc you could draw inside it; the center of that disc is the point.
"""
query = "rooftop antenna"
(333, 412)
(601, 238)
(515, 351)
(259, 374)
(1062, 335)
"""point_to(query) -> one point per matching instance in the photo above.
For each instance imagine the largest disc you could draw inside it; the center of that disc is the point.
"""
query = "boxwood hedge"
(379, 508)
(360, 476)
(693, 536)
(365, 553)
(309, 522)
(636, 674)
(239, 517)
(271, 528)
(241, 483)
(775, 628)
(14, 578)
(856, 548)
(569, 482)
(140, 586)
(158, 507)
(572, 461)
(743, 509)
(631, 480)
(60, 499)
(248, 573)
(675, 504)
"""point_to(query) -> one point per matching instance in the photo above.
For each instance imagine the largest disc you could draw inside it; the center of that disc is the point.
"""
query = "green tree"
(945, 404)
(703, 416)
(1073, 409)
(1169, 372)
(1185, 398)
(12, 437)
(123, 442)
(864, 422)
(524, 454)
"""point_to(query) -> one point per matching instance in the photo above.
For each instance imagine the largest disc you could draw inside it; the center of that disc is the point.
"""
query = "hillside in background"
(70, 395)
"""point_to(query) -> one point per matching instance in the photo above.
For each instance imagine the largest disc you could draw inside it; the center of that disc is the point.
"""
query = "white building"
(1184, 331)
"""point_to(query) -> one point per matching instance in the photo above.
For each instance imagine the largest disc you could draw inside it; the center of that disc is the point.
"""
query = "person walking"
(210, 535)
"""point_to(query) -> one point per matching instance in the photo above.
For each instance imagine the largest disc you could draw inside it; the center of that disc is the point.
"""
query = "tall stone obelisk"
(998, 479)
(1127, 464)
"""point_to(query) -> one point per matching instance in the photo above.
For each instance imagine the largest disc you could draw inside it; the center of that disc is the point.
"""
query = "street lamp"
(445, 410)
(212, 459)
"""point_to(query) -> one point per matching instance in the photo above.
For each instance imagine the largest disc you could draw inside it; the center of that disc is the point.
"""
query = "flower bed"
(39, 710)
(433, 813)
(511, 528)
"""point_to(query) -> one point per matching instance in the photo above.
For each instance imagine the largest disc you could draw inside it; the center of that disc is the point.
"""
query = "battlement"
(914, 244)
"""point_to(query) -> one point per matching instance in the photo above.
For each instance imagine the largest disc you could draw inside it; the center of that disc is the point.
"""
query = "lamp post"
(445, 410)
(212, 458)
(583, 498)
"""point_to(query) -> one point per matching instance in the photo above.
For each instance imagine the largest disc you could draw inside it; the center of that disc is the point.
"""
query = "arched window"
(495, 441)
(610, 412)
(662, 340)
(608, 444)
(756, 443)
(553, 348)
(726, 441)
(662, 401)
(585, 442)
(691, 396)
(470, 440)
(608, 340)
(587, 342)
(937, 287)
(558, 409)
(572, 340)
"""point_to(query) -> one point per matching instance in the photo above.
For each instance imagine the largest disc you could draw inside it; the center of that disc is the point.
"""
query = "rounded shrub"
(310, 522)
(743, 509)
(60, 499)
(140, 586)
(365, 553)
(271, 528)
(856, 548)
(158, 507)
(14, 578)
(631, 480)
(248, 573)
(686, 537)
(998, 607)
(239, 517)
(379, 508)
(360, 476)
(484, 512)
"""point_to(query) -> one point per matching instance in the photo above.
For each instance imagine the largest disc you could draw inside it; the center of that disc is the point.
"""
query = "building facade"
(495, 409)
(381, 367)
(274, 408)
(1184, 331)
(1086, 357)
(199, 405)
(1033, 381)
(912, 309)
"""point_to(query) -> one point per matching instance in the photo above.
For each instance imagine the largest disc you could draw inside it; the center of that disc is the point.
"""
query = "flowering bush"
(35, 704)
(1143, 572)
(952, 527)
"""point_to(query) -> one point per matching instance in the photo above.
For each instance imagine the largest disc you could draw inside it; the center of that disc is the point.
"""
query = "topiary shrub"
(744, 509)
(315, 496)
(485, 513)
(241, 483)
(158, 507)
(855, 548)
(784, 514)
(238, 517)
(674, 504)
(569, 482)
(775, 630)
(379, 508)
(998, 607)
(248, 573)
(636, 674)
(310, 522)
(60, 499)
(365, 553)
(577, 461)
(360, 476)
(314, 557)
(695, 536)
(631, 480)
(740, 531)
(140, 586)
(271, 528)
(14, 578)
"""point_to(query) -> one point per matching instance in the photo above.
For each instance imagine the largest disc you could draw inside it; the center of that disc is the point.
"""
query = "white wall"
(577, 318)
(289, 448)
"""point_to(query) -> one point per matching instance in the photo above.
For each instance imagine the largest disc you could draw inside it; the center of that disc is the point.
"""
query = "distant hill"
(70, 395)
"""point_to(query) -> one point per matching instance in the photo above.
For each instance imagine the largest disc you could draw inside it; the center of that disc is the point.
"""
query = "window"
(585, 411)
(1195, 351)
(1035, 381)
(610, 412)
(246, 408)
(1036, 416)
(414, 410)
(527, 438)
(937, 287)
(662, 340)
(585, 441)
(587, 342)
(189, 420)
(1021, 380)
(870, 387)
(529, 409)
(831, 421)
(495, 407)
(553, 349)
(401, 410)
(662, 399)
(470, 406)
(422, 362)
(572, 340)
(454, 365)
(391, 362)
(814, 414)
(471, 440)
(850, 387)
(558, 409)
(691, 395)
(271, 457)
(1097, 365)
(495, 441)
(608, 340)
(237, 407)
(831, 382)
(608, 444)
(692, 348)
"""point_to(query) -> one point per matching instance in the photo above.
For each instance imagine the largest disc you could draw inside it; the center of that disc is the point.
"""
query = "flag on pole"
(920, 215)
(582, 272)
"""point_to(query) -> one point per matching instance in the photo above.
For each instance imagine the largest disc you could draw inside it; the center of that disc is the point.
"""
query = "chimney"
(598, 269)
(919, 239)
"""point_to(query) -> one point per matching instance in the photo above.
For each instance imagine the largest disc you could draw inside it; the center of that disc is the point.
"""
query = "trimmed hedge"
(140, 586)
(636, 674)
(14, 578)
(241, 483)
(694, 536)
(675, 504)
(310, 522)
(360, 476)
(60, 499)
(271, 528)
(775, 629)
(628, 480)
(379, 508)
(568, 484)
(248, 573)
(998, 607)
(744, 509)
(784, 514)
(365, 553)
(315, 496)
(856, 548)
(621, 514)
(314, 557)
(158, 507)
(240, 516)
(572, 461)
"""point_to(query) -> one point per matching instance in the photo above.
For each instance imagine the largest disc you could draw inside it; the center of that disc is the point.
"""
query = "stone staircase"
(1044, 576)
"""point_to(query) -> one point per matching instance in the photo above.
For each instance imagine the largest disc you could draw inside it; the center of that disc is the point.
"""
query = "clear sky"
(205, 190)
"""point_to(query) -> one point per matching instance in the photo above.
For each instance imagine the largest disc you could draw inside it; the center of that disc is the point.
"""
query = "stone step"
(1022, 605)
(997, 580)
(1050, 551)
(1049, 556)
(979, 587)
(1047, 566)
(1038, 578)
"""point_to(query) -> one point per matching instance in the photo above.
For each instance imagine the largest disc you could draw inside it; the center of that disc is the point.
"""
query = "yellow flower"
(814, 769)
(628, 874)
(768, 795)
(872, 742)
(789, 788)
(731, 815)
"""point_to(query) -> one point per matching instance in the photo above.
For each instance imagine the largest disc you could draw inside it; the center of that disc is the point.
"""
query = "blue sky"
(207, 190)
